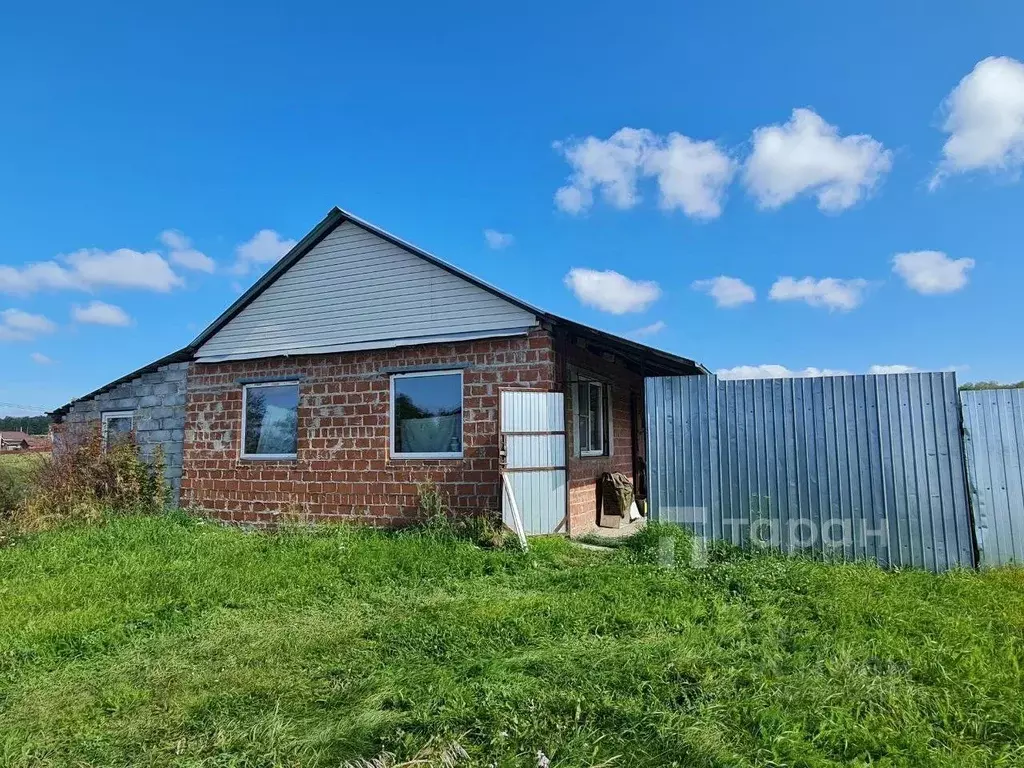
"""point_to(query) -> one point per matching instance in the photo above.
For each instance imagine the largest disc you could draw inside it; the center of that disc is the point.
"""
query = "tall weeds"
(83, 481)
(438, 521)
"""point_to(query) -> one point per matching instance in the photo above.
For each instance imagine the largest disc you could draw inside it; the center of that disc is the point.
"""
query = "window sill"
(427, 457)
(593, 456)
(284, 458)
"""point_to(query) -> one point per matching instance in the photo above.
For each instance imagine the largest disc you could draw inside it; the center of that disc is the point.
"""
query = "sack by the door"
(615, 494)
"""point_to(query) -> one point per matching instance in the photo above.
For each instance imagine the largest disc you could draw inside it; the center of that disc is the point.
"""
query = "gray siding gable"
(355, 290)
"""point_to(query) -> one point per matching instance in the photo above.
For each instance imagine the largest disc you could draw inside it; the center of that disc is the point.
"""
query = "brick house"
(360, 367)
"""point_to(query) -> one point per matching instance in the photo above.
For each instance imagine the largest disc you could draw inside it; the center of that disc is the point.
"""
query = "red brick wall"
(343, 470)
(585, 471)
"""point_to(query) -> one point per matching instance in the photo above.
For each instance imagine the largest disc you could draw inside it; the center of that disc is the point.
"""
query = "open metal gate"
(994, 446)
(532, 459)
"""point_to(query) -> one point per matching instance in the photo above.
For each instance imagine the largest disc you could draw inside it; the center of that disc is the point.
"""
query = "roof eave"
(672, 364)
(181, 356)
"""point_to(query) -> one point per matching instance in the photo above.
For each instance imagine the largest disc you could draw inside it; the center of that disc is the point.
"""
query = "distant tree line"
(990, 385)
(32, 425)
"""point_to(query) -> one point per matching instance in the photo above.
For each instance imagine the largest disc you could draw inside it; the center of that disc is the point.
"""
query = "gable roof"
(14, 437)
(660, 362)
(331, 221)
(336, 216)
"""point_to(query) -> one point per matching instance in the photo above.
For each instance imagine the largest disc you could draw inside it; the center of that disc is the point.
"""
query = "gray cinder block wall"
(157, 399)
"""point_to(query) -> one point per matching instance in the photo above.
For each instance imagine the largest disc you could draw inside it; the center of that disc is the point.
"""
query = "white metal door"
(533, 459)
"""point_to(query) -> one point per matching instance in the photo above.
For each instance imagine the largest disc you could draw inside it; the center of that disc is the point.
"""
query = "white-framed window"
(426, 415)
(270, 420)
(117, 426)
(592, 417)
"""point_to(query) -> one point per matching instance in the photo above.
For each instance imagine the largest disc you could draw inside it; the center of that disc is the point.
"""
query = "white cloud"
(100, 313)
(691, 175)
(24, 321)
(35, 277)
(91, 268)
(123, 268)
(182, 253)
(572, 200)
(611, 166)
(774, 371)
(649, 330)
(40, 359)
(726, 291)
(883, 369)
(175, 240)
(498, 240)
(16, 325)
(830, 292)
(932, 272)
(985, 120)
(9, 334)
(611, 292)
(808, 156)
(265, 247)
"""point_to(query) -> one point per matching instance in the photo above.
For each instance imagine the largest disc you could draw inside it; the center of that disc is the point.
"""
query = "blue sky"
(440, 121)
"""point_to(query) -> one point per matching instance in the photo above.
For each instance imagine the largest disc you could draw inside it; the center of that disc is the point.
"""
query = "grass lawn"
(159, 641)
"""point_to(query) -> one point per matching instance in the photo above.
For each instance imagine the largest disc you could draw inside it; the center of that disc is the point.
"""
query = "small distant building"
(40, 443)
(14, 441)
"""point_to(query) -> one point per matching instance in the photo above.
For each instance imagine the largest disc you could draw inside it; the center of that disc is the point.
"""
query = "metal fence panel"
(994, 443)
(858, 467)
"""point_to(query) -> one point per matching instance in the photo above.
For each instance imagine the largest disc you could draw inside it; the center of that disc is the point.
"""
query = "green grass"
(16, 474)
(157, 641)
(20, 464)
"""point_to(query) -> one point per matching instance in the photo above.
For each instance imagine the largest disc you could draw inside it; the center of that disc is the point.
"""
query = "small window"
(426, 415)
(591, 418)
(117, 427)
(270, 420)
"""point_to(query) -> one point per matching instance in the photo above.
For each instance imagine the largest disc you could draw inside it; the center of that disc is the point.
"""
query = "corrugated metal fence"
(848, 466)
(994, 443)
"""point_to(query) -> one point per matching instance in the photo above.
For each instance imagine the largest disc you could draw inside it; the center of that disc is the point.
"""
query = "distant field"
(21, 463)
